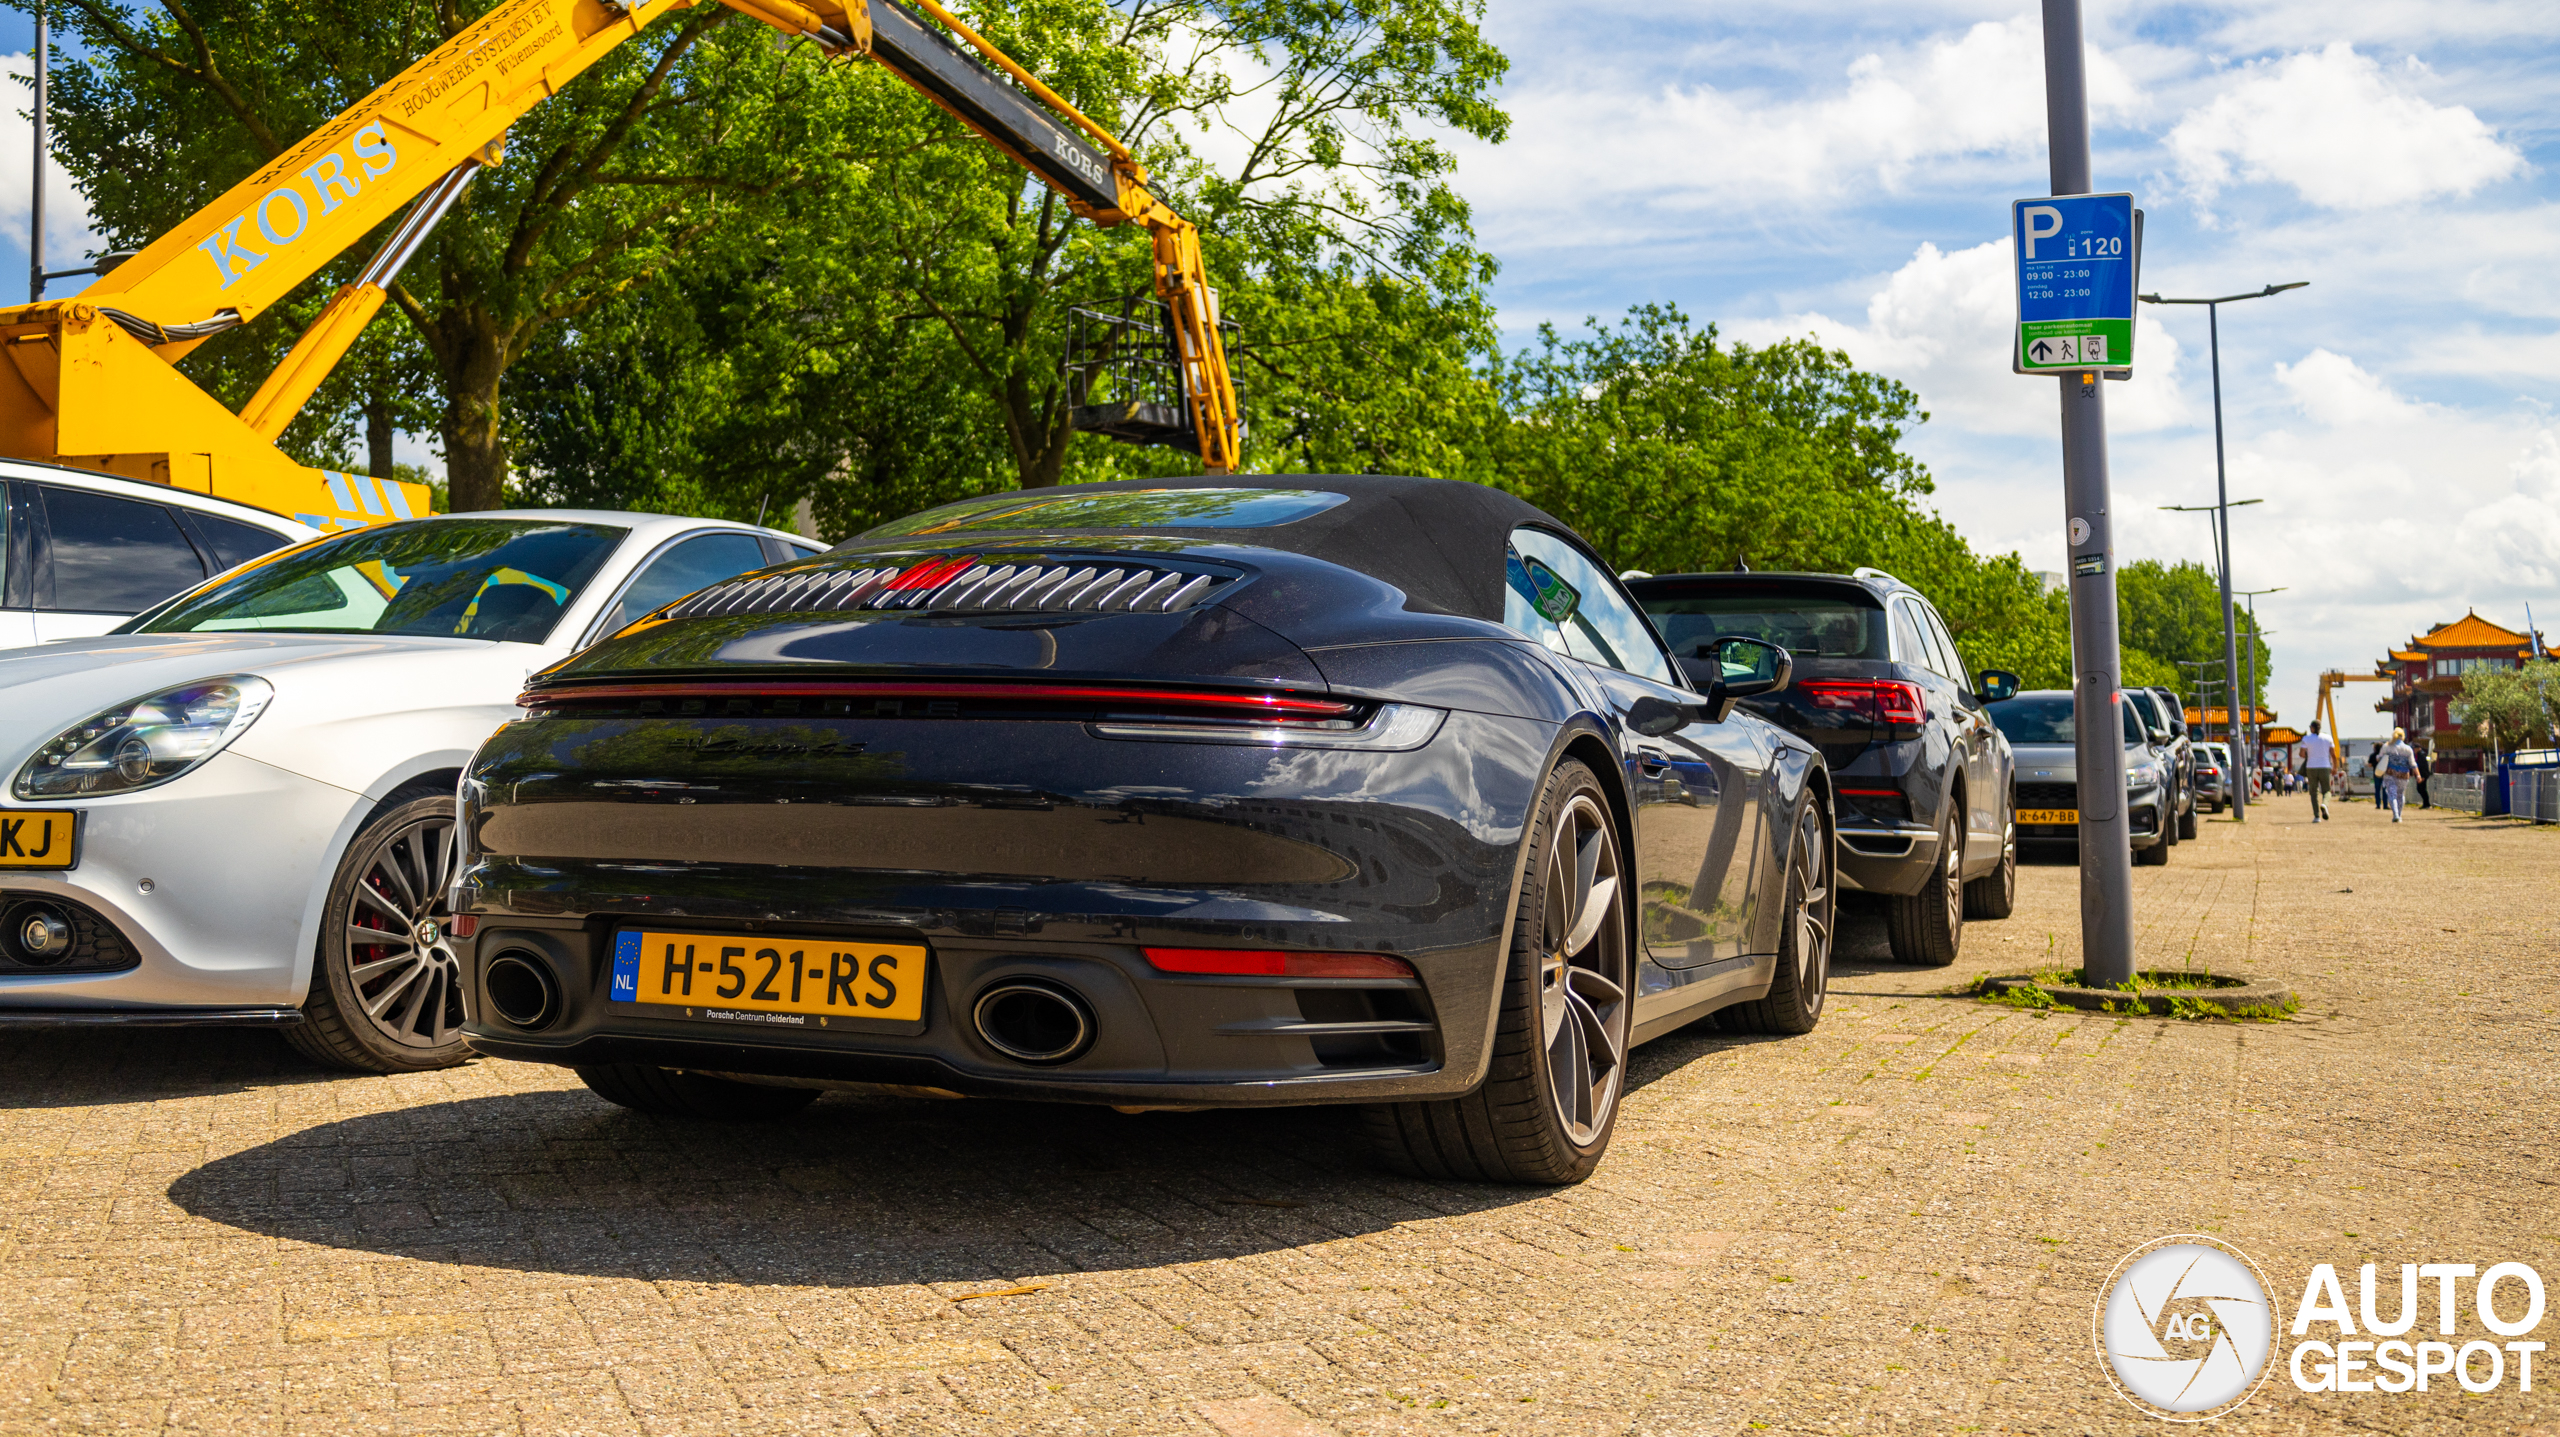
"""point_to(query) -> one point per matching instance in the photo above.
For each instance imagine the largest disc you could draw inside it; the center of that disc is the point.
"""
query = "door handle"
(1652, 767)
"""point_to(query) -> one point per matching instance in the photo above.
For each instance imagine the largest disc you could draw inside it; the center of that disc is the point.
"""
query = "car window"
(1908, 646)
(110, 555)
(1555, 595)
(696, 563)
(2150, 707)
(503, 579)
(1946, 647)
(1830, 626)
(2046, 718)
(233, 542)
(1909, 621)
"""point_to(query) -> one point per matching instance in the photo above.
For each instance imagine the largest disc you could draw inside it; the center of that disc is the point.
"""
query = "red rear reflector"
(1874, 792)
(1888, 701)
(932, 572)
(462, 925)
(1265, 963)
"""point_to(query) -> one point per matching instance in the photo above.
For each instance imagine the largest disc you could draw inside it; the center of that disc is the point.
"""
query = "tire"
(387, 993)
(2156, 856)
(667, 1092)
(1995, 894)
(1927, 927)
(1549, 1100)
(2169, 834)
(1794, 1001)
(2187, 822)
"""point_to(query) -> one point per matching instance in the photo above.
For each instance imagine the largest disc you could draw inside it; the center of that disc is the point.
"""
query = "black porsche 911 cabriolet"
(1296, 789)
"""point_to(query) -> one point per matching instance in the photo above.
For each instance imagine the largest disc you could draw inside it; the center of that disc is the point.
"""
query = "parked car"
(2038, 724)
(1229, 792)
(2213, 776)
(2173, 714)
(81, 552)
(1879, 689)
(238, 808)
(2169, 747)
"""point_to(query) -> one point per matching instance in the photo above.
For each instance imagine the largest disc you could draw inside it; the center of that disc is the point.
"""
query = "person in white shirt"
(2394, 765)
(2319, 759)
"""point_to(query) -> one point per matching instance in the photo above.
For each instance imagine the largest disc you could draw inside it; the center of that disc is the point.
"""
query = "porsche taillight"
(1883, 701)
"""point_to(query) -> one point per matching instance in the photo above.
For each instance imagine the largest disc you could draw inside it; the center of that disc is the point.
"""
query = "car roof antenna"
(1741, 564)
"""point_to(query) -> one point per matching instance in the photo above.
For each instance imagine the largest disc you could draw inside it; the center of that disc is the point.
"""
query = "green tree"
(2512, 708)
(1672, 450)
(2171, 614)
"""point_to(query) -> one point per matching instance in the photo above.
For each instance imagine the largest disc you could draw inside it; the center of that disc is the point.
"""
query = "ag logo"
(2184, 1328)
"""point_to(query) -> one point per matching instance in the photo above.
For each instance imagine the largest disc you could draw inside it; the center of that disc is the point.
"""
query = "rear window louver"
(960, 584)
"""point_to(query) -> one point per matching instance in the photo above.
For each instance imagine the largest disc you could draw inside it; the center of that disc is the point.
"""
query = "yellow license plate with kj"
(39, 837)
(723, 974)
(2048, 815)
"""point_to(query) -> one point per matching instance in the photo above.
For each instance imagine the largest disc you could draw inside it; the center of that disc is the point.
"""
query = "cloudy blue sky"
(1844, 170)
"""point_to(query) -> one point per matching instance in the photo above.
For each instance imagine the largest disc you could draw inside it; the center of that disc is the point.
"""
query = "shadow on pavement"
(85, 1067)
(852, 1192)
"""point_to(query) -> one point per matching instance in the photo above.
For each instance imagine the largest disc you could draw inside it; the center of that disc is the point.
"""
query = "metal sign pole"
(2106, 832)
(35, 201)
(2222, 522)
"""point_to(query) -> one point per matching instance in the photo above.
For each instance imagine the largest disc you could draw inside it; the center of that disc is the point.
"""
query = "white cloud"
(1942, 324)
(67, 236)
(2334, 390)
(2342, 132)
(1680, 148)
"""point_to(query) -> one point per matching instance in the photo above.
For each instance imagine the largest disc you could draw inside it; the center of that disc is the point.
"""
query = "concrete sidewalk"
(1899, 1223)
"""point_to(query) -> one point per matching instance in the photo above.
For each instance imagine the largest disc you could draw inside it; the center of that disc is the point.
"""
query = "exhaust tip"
(1033, 1021)
(521, 990)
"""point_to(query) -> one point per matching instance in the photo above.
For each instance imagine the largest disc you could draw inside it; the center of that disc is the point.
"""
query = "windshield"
(503, 579)
(1805, 624)
(1119, 509)
(2046, 718)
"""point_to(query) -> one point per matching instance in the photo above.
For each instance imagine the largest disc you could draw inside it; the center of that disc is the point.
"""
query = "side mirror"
(2159, 737)
(1735, 668)
(1746, 668)
(1998, 684)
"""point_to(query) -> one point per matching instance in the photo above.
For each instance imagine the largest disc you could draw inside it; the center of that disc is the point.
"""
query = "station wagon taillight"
(1885, 701)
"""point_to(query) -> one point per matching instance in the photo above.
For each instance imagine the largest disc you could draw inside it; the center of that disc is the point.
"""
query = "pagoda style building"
(2426, 678)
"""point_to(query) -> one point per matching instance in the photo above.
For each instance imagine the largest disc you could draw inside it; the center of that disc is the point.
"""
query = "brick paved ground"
(1897, 1224)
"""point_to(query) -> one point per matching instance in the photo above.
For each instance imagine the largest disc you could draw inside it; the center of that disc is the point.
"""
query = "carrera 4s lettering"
(759, 973)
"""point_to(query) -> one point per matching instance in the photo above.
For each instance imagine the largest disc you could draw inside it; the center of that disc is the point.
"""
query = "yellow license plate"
(720, 974)
(39, 837)
(2048, 815)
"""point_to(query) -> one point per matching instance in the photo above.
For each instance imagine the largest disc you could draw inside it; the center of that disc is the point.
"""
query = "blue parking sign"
(2079, 259)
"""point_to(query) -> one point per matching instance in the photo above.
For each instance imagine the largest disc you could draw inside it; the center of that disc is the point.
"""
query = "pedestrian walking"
(2319, 759)
(2394, 764)
(2426, 771)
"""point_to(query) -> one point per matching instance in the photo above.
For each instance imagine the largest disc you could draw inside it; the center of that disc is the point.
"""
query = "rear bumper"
(1160, 1038)
(1896, 861)
(1027, 850)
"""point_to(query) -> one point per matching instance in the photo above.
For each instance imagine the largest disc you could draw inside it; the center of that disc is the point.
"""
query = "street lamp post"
(2222, 487)
(2250, 694)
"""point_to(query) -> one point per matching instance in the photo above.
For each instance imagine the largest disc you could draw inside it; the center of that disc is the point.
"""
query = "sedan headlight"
(146, 742)
(2143, 775)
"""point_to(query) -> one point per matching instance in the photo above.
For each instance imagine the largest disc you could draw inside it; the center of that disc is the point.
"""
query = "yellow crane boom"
(91, 380)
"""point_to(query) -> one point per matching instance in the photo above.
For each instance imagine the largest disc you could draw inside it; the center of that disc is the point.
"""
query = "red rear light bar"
(1259, 962)
(1888, 701)
(1280, 706)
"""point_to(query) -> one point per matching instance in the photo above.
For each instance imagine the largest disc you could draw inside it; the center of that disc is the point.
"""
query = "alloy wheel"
(1583, 978)
(1813, 916)
(1953, 884)
(399, 955)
